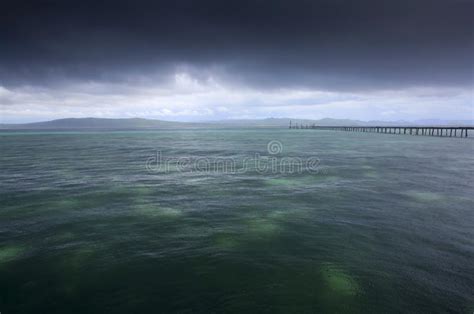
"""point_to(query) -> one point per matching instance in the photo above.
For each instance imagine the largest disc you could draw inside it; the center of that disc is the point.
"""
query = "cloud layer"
(227, 59)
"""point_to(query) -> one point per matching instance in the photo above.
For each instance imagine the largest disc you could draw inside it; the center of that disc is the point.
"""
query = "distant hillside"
(100, 123)
(138, 123)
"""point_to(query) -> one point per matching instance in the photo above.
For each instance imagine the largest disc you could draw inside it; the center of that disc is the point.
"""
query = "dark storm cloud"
(335, 44)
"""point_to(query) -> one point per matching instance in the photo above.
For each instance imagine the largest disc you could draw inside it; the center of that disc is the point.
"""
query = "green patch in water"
(67, 204)
(427, 197)
(286, 215)
(10, 253)
(279, 214)
(158, 212)
(339, 282)
(371, 174)
(226, 241)
(263, 227)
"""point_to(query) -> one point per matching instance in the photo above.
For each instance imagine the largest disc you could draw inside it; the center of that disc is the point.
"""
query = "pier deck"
(444, 131)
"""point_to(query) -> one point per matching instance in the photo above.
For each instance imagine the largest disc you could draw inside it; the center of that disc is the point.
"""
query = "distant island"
(140, 123)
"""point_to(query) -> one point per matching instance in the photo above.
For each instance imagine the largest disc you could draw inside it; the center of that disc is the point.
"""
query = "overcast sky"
(214, 59)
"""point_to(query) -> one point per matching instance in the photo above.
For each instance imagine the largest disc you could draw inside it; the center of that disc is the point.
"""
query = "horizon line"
(470, 121)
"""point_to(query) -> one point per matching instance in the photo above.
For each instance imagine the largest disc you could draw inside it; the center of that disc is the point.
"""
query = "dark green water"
(386, 224)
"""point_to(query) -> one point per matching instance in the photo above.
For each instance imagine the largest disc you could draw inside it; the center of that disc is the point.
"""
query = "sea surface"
(201, 221)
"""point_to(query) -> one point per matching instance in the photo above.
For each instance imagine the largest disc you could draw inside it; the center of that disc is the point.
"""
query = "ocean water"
(92, 222)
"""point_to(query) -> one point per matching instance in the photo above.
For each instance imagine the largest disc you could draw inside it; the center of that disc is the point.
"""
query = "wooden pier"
(441, 131)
